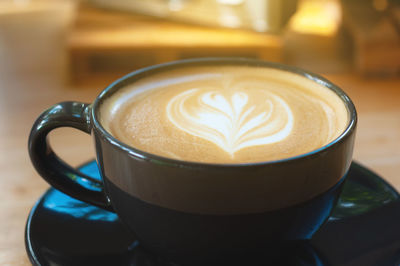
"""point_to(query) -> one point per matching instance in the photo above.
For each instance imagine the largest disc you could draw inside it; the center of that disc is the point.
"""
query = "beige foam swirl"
(231, 119)
(225, 114)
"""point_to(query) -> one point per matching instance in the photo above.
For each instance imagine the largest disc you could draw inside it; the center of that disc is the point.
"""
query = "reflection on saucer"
(362, 230)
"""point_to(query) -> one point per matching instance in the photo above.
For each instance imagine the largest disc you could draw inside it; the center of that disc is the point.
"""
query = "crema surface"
(225, 114)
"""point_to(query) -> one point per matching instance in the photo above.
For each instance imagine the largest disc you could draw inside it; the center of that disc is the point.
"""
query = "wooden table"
(23, 98)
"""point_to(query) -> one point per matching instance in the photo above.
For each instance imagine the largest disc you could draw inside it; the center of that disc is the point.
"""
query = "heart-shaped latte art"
(231, 120)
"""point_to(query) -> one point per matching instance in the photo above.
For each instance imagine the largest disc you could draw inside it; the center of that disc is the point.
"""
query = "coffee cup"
(265, 173)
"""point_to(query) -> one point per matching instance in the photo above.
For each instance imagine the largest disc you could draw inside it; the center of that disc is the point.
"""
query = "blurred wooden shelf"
(376, 36)
(104, 44)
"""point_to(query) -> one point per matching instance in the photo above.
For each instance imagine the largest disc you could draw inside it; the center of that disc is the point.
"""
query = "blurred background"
(58, 50)
(98, 40)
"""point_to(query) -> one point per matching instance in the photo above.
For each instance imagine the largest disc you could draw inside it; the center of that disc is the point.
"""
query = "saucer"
(362, 230)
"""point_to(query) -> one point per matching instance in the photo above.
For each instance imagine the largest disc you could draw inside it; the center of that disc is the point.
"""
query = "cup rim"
(158, 159)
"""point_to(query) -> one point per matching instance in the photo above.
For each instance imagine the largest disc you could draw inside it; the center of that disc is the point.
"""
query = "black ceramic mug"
(191, 211)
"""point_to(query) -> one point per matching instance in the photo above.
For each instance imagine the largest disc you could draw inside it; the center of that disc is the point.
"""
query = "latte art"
(225, 114)
(231, 122)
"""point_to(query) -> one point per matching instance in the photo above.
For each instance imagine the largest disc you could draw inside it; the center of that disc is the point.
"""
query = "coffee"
(235, 110)
(225, 114)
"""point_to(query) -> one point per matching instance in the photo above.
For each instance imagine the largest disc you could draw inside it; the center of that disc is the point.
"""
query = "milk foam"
(231, 122)
(225, 114)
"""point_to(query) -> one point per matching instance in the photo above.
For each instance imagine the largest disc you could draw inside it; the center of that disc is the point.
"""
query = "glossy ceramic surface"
(363, 230)
(226, 208)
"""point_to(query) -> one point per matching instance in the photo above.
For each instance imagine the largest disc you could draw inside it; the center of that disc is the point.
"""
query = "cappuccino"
(225, 114)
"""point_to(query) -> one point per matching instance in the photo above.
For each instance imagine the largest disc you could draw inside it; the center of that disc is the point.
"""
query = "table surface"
(23, 99)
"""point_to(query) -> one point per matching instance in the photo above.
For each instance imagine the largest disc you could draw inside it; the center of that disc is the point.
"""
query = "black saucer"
(363, 230)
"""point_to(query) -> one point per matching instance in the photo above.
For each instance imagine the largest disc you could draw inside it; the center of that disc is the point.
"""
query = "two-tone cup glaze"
(191, 211)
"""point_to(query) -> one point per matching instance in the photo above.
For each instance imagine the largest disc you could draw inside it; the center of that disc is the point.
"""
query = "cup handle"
(54, 170)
